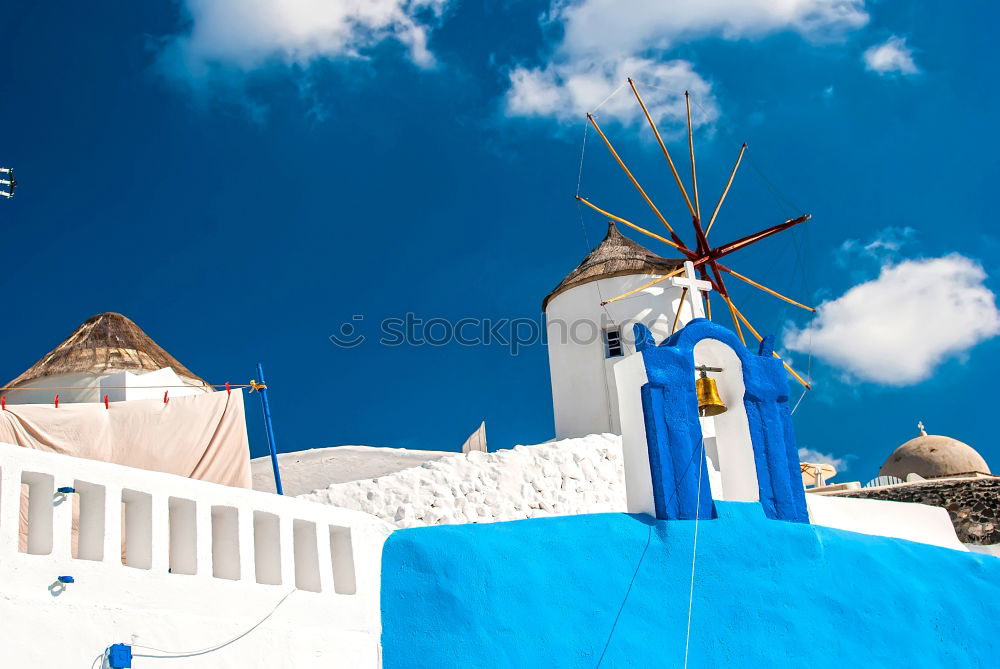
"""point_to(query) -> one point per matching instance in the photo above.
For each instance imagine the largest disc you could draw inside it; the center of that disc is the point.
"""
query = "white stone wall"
(578, 476)
(561, 478)
(899, 520)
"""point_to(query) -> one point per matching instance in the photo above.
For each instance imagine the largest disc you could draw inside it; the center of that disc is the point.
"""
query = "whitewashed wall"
(727, 443)
(305, 471)
(588, 475)
(584, 397)
(562, 478)
(899, 520)
(204, 563)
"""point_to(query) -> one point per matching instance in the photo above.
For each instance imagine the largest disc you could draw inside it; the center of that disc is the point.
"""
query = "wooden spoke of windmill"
(703, 255)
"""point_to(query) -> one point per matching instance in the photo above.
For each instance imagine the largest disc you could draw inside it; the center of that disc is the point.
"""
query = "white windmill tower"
(586, 338)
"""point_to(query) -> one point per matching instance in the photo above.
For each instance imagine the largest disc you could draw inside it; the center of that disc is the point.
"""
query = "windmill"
(7, 182)
(704, 257)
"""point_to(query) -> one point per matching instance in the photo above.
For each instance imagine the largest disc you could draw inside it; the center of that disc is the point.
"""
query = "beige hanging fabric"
(476, 440)
(201, 437)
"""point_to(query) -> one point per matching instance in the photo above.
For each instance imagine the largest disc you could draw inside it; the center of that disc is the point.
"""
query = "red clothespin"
(57, 401)
(106, 402)
(229, 391)
(3, 403)
(165, 400)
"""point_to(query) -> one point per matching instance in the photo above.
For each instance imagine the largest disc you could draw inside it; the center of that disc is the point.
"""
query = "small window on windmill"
(613, 343)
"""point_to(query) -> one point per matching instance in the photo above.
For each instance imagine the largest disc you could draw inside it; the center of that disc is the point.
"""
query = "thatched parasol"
(104, 343)
(616, 255)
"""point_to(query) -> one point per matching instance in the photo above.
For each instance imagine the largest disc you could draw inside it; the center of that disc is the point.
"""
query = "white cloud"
(567, 91)
(885, 247)
(818, 458)
(891, 56)
(242, 35)
(609, 26)
(896, 329)
(604, 41)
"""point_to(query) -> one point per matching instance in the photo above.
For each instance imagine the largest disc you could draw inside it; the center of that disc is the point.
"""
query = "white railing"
(166, 562)
(123, 517)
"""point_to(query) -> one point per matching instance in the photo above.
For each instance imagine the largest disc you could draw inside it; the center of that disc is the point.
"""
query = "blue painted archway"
(673, 432)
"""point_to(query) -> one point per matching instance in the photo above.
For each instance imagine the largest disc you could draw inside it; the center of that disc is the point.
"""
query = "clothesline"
(253, 386)
(212, 385)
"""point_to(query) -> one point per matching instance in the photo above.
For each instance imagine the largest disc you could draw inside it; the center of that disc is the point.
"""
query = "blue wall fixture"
(673, 433)
(611, 590)
(120, 656)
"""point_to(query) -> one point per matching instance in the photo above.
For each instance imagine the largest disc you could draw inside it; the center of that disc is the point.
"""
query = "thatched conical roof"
(616, 255)
(104, 343)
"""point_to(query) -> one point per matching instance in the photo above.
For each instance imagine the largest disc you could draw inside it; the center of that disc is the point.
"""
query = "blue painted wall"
(567, 592)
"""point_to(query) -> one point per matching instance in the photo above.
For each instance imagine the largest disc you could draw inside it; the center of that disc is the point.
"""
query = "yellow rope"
(760, 338)
(680, 305)
(643, 286)
(736, 321)
(628, 173)
(694, 171)
(663, 147)
(212, 385)
(778, 295)
(677, 314)
(256, 386)
(628, 223)
(725, 192)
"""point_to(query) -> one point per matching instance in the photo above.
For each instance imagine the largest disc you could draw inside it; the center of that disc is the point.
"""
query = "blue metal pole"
(270, 430)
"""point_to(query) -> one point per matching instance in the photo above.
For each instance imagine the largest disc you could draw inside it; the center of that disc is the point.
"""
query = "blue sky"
(241, 182)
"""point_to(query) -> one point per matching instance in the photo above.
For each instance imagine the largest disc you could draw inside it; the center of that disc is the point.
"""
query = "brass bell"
(709, 402)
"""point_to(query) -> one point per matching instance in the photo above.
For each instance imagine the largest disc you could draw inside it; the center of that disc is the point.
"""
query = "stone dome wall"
(932, 456)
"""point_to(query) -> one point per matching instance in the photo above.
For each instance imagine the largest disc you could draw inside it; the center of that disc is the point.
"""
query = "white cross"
(695, 287)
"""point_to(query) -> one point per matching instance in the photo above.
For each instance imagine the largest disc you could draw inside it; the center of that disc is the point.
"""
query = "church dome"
(931, 456)
(616, 255)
